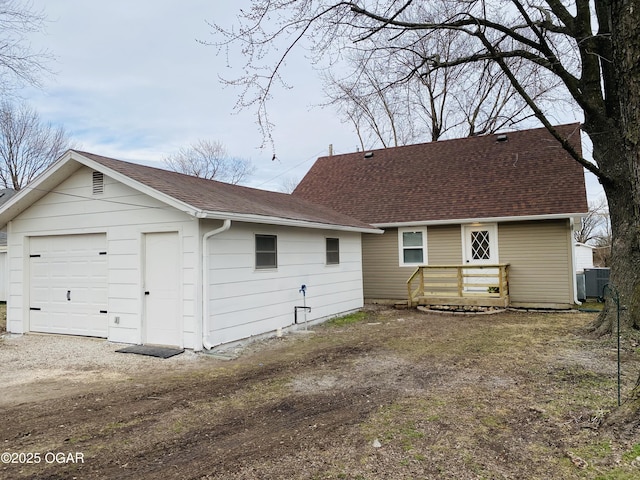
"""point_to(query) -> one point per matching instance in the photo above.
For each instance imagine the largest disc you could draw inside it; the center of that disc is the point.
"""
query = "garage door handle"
(68, 295)
(147, 292)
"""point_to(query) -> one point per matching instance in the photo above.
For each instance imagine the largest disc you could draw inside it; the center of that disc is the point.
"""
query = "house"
(485, 220)
(105, 248)
(584, 256)
(5, 194)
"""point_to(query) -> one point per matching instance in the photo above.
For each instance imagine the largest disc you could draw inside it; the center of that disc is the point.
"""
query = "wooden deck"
(477, 285)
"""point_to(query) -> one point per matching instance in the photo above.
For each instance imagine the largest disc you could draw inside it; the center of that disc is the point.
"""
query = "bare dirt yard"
(383, 394)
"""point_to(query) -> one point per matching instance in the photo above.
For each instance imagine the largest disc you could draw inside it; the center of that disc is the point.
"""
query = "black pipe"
(295, 312)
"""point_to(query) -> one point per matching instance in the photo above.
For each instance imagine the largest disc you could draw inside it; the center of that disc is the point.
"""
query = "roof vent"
(98, 183)
(368, 155)
(502, 137)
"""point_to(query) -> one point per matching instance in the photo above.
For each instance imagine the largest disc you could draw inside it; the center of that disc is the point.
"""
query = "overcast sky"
(133, 82)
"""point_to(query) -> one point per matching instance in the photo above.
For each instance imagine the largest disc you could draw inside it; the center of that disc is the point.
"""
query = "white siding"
(245, 301)
(584, 257)
(124, 215)
(3, 276)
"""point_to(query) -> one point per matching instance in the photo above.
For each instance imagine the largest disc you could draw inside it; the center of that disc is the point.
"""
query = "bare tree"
(589, 49)
(288, 184)
(470, 99)
(19, 65)
(27, 144)
(595, 224)
(584, 52)
(209, 159)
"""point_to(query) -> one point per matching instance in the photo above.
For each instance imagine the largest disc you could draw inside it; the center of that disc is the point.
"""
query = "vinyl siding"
(384, 278)
(124, 215)
(445, 245)
(539, 254)
(245, 301)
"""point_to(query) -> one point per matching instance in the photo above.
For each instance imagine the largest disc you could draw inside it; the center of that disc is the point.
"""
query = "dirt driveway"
(384, 395)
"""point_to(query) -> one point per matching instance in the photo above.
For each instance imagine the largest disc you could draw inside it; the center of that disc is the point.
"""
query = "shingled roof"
(214, 198)
(518, 174)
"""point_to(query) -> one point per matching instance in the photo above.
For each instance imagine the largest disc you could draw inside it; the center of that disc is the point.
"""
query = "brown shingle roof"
(469, 178)
(214, 196)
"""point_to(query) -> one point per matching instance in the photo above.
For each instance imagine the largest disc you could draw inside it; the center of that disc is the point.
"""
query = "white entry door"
(480, 244)
(163, 319)
(68, 284)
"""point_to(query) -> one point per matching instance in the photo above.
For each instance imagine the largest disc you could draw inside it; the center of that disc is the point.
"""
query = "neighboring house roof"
(196, 196)
(5, 194)
(528, 174)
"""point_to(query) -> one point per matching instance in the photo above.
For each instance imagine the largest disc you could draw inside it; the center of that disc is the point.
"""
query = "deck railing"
(480, 285)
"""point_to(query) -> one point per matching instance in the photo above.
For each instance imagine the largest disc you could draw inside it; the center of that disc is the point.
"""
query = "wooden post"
(459, 269)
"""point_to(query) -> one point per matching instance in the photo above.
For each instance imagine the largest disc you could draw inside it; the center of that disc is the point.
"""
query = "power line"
(313, 157)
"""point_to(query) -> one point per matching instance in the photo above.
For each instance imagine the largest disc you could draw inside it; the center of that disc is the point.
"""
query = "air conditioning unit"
(595, 279)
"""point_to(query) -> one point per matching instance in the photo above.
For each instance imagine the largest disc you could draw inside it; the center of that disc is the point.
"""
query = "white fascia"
(287, 222)
(458, 221)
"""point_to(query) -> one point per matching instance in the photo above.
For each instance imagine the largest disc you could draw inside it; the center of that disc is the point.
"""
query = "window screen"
(333, 251)
(412, 247)
(266, 251)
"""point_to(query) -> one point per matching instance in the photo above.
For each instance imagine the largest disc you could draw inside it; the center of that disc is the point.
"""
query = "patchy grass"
(3, 316)
(377, 394)
(348, 319)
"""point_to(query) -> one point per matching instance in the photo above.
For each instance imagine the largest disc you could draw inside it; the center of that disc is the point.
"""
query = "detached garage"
(104, 248)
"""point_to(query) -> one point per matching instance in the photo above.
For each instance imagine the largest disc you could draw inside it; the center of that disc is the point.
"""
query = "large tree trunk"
(616, 142)
(625, 255)
(617, 151)
(618, 159)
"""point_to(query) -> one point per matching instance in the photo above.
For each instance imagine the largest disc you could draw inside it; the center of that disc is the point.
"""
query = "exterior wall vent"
(98, 183)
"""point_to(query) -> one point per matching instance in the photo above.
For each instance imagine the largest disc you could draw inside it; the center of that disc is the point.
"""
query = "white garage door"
(68, 287)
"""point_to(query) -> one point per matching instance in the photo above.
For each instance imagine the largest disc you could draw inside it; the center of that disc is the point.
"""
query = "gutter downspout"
(205, 281)
(573, 263)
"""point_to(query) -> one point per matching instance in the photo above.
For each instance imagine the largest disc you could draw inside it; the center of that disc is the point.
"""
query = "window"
(480, 245)
(333, 251)
(413, 246)
(266, 251)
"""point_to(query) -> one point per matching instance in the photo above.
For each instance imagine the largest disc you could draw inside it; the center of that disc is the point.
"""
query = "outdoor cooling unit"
(595, 280)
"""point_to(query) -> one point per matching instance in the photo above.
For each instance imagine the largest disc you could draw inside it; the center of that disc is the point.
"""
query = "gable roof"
(195, 196)
(527, 175)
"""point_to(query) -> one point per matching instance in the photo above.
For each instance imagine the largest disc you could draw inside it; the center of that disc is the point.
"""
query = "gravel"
(33, 357)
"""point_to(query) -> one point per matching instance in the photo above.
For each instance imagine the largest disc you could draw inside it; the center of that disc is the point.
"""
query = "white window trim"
(425, 256)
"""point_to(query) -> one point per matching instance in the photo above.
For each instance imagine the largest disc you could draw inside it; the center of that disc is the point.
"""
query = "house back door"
(480, 248)
(162, 325)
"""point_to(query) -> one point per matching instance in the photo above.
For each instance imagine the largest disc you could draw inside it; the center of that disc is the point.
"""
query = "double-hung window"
(412, 245)
(266, 251)
(333, 251)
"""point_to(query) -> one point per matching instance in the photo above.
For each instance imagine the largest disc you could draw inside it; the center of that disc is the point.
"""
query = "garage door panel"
(68, 292)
